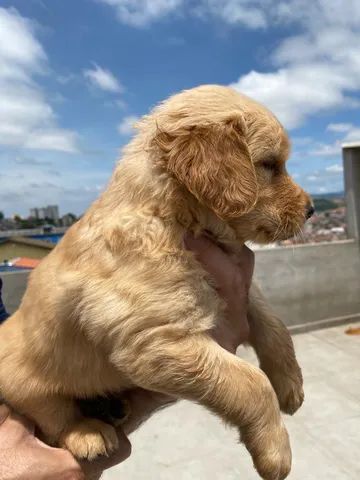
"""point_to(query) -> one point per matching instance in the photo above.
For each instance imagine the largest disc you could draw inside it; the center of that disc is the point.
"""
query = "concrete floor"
(187, 443)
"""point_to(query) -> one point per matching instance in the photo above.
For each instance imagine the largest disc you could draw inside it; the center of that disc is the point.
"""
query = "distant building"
(68, 219)
(51, 212)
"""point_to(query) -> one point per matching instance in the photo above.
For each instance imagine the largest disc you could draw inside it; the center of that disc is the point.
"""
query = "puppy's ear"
(212, 161)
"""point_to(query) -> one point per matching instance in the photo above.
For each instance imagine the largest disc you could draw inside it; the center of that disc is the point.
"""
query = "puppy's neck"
(140, 198)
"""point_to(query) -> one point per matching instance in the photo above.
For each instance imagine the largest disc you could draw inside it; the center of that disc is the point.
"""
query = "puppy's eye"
(272, 166)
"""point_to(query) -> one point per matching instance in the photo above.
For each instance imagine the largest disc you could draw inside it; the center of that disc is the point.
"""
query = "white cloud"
(333, 149)
(27, 119)
(251, 13)
(126, 126)
(254, 14)
(316, 70)
(301, 141)
(337, 168)
(353, 135)
(293, 93)
(28, 182)
(19, 49)
(297, 91)
(328, 179)
(139, 13)
(339, 127)
(103, 79)
(306, 12)
(312, 178)
(327, 150)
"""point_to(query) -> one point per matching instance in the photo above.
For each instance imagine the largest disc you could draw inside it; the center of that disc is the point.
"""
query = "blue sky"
(75, 75)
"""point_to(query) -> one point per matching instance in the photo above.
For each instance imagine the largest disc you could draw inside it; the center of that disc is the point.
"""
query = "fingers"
(26, 457)
(48, 462)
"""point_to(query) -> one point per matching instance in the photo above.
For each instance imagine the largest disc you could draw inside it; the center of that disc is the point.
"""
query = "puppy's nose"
(310, 210)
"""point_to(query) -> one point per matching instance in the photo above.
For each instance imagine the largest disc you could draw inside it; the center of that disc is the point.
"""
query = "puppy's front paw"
(270, 450)
(288, 386)
(265, 436)
(274, 462)
(90, 438)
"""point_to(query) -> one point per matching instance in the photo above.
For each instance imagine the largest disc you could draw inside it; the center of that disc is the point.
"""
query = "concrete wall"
(312, 285)
(351, 161)
(308, 285)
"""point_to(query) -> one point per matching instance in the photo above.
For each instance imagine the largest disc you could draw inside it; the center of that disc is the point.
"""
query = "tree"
(322, 204)
(2, 216)
(49, 221)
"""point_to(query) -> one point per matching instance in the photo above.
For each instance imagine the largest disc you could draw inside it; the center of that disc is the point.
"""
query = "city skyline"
(75, 77)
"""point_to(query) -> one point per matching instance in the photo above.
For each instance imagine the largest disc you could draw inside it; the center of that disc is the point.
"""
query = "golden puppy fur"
(120, 303)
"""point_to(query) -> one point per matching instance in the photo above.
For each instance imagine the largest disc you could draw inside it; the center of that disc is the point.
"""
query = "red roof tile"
(25, 262)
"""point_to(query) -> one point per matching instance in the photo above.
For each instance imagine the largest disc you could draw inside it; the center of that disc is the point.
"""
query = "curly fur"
(120, 303)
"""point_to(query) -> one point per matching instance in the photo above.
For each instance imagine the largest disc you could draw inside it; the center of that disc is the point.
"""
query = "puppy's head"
(229, 152)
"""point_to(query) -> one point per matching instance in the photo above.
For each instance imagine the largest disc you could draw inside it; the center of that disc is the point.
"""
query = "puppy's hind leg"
(61, 424)
(275, 350)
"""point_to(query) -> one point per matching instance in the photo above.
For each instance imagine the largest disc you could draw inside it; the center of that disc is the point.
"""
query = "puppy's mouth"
(285, 232)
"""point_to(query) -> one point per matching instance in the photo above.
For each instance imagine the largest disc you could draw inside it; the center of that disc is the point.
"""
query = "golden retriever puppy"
(120, 303)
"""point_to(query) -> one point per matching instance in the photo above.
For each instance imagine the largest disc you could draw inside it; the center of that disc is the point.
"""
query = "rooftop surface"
(185, 442)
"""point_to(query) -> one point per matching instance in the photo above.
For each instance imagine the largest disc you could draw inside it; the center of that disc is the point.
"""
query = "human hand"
(232, 275)
(24, 457)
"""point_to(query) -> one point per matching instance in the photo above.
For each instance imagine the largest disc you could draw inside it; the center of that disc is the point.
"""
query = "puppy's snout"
(310, 210)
